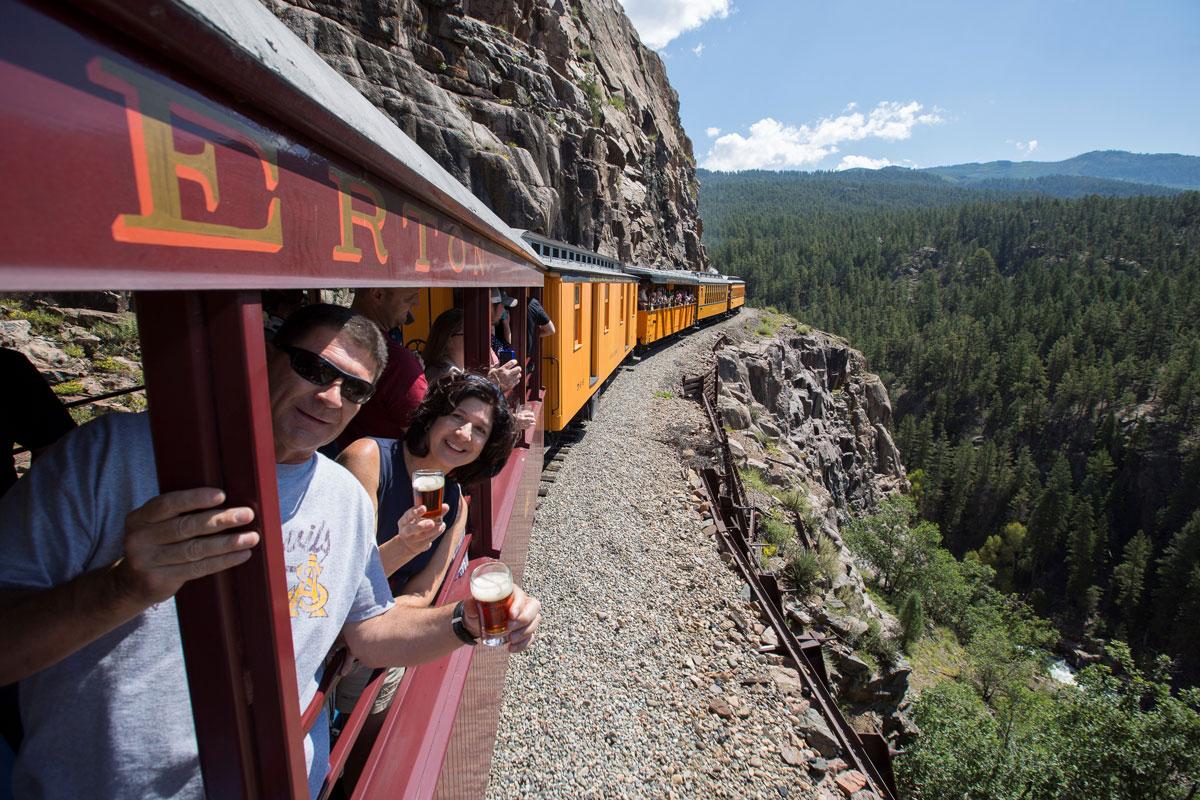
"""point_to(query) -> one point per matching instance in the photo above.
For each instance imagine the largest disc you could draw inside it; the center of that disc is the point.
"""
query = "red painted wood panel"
(206, 382)
(123, 174)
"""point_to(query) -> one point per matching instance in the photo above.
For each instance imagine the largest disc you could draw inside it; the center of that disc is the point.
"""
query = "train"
(602, 317)
(197, 153)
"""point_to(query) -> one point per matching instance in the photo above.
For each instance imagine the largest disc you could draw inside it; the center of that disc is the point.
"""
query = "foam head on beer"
(491, 587)
(429, 482)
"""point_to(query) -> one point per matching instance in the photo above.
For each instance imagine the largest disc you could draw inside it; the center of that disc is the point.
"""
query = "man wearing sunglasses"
(91, 556)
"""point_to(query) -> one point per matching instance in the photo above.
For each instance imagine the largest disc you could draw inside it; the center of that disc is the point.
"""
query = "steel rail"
(735, 539)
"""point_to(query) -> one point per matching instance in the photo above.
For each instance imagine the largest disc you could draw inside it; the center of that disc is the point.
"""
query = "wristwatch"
(460, 629)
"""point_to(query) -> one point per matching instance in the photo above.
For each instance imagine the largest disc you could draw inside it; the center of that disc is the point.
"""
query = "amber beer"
(492, 588)
(427, 491)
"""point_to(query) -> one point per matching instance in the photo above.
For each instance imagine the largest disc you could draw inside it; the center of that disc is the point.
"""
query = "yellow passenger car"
(666, 302)
(737, 293)
(714, 297)
(592, 305)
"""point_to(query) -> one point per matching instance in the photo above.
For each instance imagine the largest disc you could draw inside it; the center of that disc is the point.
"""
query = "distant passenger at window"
(31, 415)
(402, 386)
(445, 355)
(502, 356)
(538, 326)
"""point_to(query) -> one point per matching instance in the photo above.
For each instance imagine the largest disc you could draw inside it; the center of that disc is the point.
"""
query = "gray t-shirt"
(114, 719)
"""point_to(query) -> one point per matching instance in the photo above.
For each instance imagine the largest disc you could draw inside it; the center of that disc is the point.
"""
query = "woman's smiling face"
(458, 438)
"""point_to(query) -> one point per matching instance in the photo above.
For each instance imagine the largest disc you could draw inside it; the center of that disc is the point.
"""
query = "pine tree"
(1130, 578)
(1081, 550)
(912, 619)
(1048, 521)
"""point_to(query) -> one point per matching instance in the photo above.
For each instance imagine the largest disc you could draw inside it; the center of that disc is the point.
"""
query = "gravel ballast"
(646, 680)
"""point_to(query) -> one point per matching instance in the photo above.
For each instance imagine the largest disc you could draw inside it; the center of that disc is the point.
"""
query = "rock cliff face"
(809, 427)
(553, 113)
(827, 418)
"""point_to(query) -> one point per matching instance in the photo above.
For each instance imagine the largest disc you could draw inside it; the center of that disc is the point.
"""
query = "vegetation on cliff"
(1045, 370)
(993, 726)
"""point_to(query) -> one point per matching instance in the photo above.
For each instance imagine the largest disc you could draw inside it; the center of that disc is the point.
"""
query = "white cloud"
(1024, 147)
(773, 145)
(658, 22)
(698, 49)
(862, 162)
(711, 132)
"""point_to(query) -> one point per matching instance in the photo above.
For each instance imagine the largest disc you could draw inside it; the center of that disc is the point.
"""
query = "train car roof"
(258, 83)
(574, 269)
(665, 275)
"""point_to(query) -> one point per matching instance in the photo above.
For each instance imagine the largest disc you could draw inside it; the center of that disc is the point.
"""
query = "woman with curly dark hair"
(464, 430)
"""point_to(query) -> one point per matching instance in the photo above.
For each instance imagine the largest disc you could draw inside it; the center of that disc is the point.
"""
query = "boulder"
(14, 333)
(816, 732)
(733, 413)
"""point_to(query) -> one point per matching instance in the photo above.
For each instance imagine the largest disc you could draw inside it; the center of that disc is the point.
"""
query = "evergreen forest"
(1043, 360)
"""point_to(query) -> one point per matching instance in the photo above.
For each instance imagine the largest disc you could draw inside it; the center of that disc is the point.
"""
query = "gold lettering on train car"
(159, 167)
(424, 221)
(349, 217)
(458, 261)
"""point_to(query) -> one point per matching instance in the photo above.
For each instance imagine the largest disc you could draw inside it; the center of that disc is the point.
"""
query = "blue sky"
(800, 84)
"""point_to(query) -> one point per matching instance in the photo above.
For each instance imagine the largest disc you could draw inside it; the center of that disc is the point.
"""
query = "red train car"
(196, 153)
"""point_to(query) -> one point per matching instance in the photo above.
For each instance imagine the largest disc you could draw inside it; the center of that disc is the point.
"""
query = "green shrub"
(108, 364)
(753, 478)
(776, 531)
(802, 570)
(829, 558)
(617, 102)
(878, 645)
(134, 401)
(794, 501)
(41, 321)
(68, 388)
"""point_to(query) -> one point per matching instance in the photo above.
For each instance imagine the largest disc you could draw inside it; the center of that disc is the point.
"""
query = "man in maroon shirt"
(401, 387)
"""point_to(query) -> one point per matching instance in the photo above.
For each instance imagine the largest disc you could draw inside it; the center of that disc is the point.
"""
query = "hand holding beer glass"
(492, 590)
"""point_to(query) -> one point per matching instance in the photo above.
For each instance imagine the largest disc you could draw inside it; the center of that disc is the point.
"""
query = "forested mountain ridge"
(1163, 169)
(888, 189)
(1045, 367)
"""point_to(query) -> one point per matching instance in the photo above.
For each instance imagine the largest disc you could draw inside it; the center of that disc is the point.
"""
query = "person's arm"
(170, 540)
(404, 636)
(414, 535)
(361, 459)
(506, 376)
(423, 587)
(546, 330)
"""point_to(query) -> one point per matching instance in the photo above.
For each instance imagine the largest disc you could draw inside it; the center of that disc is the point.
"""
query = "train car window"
(606, 304)
(578, 315)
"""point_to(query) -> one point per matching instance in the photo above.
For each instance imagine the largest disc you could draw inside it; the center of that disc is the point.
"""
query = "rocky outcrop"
(553, 113)
(826, 417)
(809, 427)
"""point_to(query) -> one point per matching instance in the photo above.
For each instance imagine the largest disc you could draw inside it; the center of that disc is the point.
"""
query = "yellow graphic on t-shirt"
(308, 595)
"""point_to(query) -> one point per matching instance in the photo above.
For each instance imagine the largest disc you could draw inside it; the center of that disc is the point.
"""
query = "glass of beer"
(427, 491)
(492, 589)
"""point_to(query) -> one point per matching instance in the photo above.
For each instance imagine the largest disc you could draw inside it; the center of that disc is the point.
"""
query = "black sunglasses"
(314, 369)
